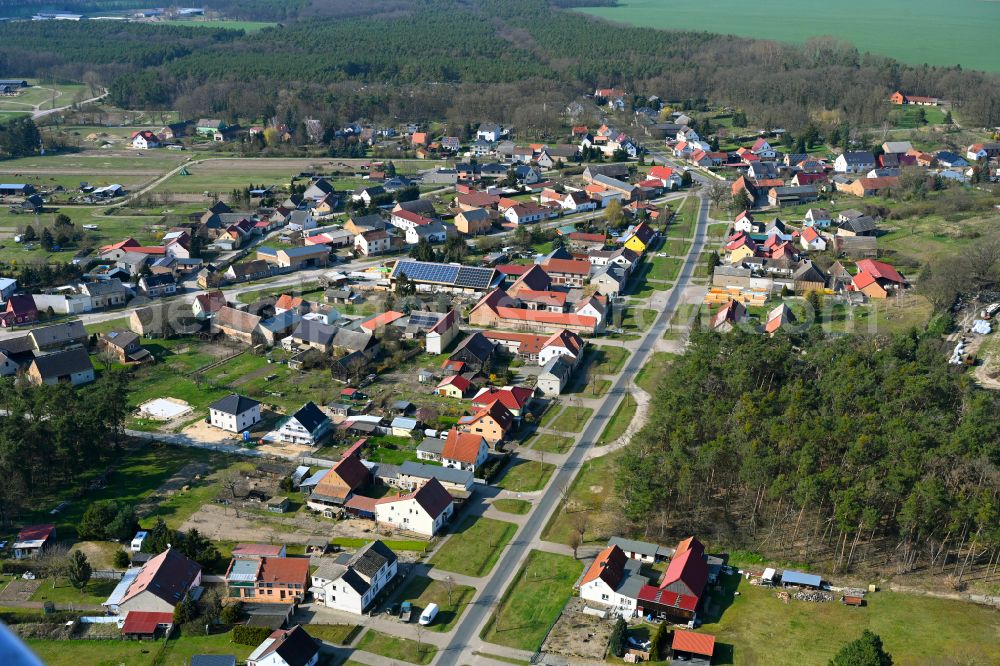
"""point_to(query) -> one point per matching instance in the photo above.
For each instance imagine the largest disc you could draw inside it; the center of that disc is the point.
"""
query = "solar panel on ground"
(474, 277)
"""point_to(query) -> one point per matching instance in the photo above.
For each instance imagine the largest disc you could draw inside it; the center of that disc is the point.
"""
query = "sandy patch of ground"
(578, 635)
(164, 409)
(228, 523)
(208, 434)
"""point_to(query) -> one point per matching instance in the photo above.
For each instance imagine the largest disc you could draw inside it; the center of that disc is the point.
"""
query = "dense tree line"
(19, 138)
(51, 434)
(520, 60)
(865, 449)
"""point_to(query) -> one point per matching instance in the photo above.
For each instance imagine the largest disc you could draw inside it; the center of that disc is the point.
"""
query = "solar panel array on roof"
(424, 319)
(423, 271)
(474, 277)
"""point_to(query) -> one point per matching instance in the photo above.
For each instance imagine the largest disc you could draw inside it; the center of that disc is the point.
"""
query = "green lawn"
(515, 506)
(799, 632)
(533, 601)
(474, 546)
(178, 651)
(395, 544)
(619, 421)
(525, 476)
(638, 319)
(649, 375)
(549, 443)
(606, 359)
(422, 591)
(684, 220)
(96, 592)
(592, 488)
(550, 415)
(664, 268)
(572, 419)
(339, 634)
(392, 647)
(137, 474)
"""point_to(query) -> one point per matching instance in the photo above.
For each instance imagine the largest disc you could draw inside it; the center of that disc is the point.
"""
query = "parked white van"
(429, 614)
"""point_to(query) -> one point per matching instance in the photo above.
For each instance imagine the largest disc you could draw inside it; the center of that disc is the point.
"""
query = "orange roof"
(284, 570)
(688, 641)
(513, 398)
(383, 319)
(863, 279)
(462, 446)
(545, 297)
(288, 302)
(609, 565)
(529, 342)
(568, 266)
(543, 317)
(661, 172)
(880, 269)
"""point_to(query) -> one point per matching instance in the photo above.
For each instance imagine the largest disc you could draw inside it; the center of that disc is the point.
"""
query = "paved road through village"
(466, 635)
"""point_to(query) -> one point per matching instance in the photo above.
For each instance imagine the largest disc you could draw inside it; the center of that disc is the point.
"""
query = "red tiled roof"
(36, 532)
(590, 238)
(653, 594)
(496, 411)
(284, 570)
(513, 398)
(458, 381)
(288, 302)
(415, 218)
(513, 269)
(145, 622)
(544, 317)
(383, 319)
(661, 172)
(211, 301)
(168, 576)
(545, 297)
(361, 503)
(148, 249)
(863, 279)
(529, 342)
(688, 641)
(568, 339)
(446, 322)
(688, 570)
(257, 549)
(462, 446)
(567, 266)
(881, 270)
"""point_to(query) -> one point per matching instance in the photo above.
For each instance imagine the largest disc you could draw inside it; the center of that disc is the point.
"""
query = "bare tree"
(717, 191)
(53, 562)
(448, 582)
(575, 541)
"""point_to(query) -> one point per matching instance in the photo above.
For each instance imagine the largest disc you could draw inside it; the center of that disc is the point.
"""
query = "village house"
(307, 426)
(373, 242)
(424, 511)
(440, 336)
(352, 583)
(71, 366)
(554, 377)
(677, 597)
(459, 450)
(473, 222)
(339, 485)
(234, 413)
(124, 346)
(267, 580)
(854, 162)
(33, 540)
(515, 398)
(158, 586)
(454, 386)
(239, 326)
(493, 423)
(286, 647)
(877, 279)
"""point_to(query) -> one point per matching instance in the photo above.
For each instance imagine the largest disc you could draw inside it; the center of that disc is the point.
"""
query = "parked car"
(427, 617)
(406, 611)
(393, 609)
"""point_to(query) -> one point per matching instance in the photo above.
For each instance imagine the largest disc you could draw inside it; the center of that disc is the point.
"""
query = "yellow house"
(640, 238)
(740, 249)
(455, 386)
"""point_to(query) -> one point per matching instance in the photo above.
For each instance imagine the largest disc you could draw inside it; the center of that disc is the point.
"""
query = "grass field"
(649, 376)
(392, 647)
(591, 488)
(514, 506)
(607, 359)
(422, 591)
(619, 421)
(799, 632)
(525, 476)
(572, 419)
(664, 268)
(333, 633)
(533, 601)
(549, 443)
(474, 547)
(44, 95)
(960, 32)
(178, 651)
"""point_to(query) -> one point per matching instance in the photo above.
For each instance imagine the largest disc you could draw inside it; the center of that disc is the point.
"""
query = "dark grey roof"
(315, 332)
(371, 558)
(234, 404)
(859, 225)
(859, 157)
(478, 345)
(373, 221)
(443, 474)
(310, 417)
(346, 338)
(297, 648)
(432, 445)
(63, 362)
(120, 338)
(104, 287)
(58, 334)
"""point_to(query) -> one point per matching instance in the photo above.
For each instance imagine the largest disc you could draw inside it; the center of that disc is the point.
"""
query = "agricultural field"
(43, 96)
(959, 33)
